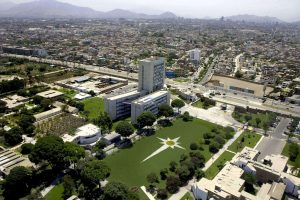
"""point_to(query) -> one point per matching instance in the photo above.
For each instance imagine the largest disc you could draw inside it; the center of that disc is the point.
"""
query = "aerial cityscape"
(140, 100)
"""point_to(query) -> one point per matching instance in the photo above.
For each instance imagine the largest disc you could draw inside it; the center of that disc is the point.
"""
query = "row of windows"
(241, 89)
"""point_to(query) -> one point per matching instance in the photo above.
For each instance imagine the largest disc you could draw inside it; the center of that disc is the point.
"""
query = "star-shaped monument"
(166, 143)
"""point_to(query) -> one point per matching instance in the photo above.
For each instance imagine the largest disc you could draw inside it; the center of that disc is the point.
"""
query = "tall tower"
(151, 74)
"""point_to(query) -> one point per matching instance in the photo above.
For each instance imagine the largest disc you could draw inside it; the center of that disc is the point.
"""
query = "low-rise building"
(51, 94)
(14, 101)
(88, 134)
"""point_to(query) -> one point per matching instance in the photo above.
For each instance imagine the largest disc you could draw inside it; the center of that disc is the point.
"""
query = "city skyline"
(284, 10)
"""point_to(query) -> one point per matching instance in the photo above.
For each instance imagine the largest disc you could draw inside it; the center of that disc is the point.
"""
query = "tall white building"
(151, 74)
(148, 97)
(195, 55)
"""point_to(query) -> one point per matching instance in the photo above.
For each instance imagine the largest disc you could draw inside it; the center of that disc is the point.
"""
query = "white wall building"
(150, 103)
(195, 55)
(120, 105)
(151, 74)
(85, 135)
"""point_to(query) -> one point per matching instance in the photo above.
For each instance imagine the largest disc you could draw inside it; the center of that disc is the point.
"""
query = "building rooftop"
(276, 162)
(50, 94)
(83, 131)
(14, 101)
(132, 93)
(150, 97)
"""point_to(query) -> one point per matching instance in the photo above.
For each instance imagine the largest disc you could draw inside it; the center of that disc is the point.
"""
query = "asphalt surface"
(275, 142)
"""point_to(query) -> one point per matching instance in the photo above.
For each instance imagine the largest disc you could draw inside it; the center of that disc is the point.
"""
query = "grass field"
(68, 93)
(56, 193)
(250, 140)
(94, 106)
(200, 104)
(285, 152)
(264, 118)
(216, 167)
(187, 196)
(126, 165)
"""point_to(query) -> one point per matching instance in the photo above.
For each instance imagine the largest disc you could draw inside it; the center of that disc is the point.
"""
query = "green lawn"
(94, 106)
(216, 167)
(126, 165)
(264, 118)
(285, 152)
(250, 140)
(56, 193)
(68, 93)
(200, 104)
(187, 196)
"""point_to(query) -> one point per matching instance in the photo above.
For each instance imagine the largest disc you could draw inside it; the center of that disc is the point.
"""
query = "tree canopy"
(165, 110)
(146, 119)
(124, 128)
(95, 171)
(177, 103)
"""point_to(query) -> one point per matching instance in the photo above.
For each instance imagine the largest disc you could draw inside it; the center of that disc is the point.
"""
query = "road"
(239, 100)
(275, 142)
(237, 63)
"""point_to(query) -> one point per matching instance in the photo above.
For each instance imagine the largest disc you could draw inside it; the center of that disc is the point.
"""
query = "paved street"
(274, 143)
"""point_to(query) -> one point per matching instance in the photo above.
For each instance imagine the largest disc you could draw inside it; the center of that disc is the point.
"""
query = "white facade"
(151, 74)
(149, 103)
(120, 105)
(195, 55)
(84, 135)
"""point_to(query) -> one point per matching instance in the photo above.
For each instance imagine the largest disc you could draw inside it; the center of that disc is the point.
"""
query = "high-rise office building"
(151, 74)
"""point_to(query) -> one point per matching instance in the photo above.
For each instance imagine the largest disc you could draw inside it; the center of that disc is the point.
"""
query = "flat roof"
(111, 136)
(50, 94)
(278, 162)
(150, 97)
(132, 93)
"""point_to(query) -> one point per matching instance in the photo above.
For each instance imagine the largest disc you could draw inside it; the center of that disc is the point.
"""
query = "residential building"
(195, 55)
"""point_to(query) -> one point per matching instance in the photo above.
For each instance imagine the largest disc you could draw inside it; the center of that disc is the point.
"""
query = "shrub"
(26, 148)
(193, 146)
(214, 147)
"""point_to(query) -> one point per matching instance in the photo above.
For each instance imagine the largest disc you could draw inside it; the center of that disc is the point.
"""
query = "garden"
(246, 139)
(93, 107)
(193, 141)
(60, 125)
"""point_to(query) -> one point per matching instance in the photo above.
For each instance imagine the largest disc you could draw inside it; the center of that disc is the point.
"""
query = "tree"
(162, 193)
(199, 174)
(152, 178)
(265, 127)
(172, 184)
(163, 173)
(165, 110)
(177, 103)
(26, 123)
(2, 106)
(173, 166)
(293, 151)
(19, 180)
(248, 118)
(193, 146)
(250, 180)
(115, 191)
(45, 104)
(104, 121)
(95, 171)
(146, 119)
(238, 74)
(124, 128)
(258, 121)
(186, 117)
(13, 136)
(69, 185)
(183, 173)
(26, 148)
(50, 149)
(72, 152)
(214, 147)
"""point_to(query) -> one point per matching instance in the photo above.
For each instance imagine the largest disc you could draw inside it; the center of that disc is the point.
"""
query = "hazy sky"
(288, 10)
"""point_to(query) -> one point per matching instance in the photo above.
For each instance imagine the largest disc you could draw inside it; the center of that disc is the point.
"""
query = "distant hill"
(254, 18)
(6, 5)
(56, 9)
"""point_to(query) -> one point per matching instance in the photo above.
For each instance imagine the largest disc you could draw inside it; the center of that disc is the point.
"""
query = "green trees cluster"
(104, 121)
(177, 103)
(11, 85)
